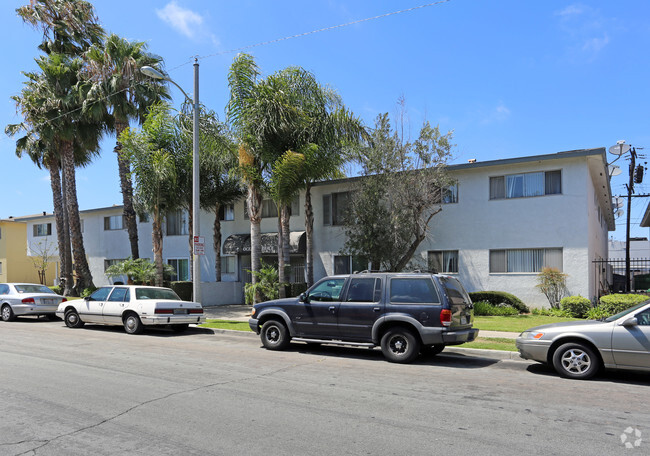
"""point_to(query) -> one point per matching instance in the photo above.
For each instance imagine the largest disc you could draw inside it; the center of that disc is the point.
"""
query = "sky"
(511, 78)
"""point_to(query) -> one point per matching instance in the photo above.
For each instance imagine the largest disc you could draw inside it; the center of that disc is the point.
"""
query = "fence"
(610, 275)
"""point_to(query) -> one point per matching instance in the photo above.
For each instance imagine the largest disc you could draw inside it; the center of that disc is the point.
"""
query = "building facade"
(15, 264)
(500, 224)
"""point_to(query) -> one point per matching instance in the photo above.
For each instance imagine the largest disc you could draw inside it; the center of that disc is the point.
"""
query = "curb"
(455, 351)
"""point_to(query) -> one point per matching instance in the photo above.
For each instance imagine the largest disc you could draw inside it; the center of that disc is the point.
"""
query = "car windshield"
(626, 311)
(29, 288)
(155, 293)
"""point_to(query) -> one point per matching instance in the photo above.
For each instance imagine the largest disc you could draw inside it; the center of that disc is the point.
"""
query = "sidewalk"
(243, 312)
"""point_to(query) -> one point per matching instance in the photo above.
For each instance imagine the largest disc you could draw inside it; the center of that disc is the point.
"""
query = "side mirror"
(304, 297)
(630, 322)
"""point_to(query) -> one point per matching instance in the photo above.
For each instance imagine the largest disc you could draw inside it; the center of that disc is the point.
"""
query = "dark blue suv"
(404, 313)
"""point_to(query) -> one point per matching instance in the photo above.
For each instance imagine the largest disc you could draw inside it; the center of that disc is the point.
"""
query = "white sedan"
(18, 299)
(132, 306)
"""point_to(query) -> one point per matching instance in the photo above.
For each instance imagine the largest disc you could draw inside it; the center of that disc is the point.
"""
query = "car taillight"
(164, 311)
(64, 300)
(196, 311)
(28, 301)
(445, 317)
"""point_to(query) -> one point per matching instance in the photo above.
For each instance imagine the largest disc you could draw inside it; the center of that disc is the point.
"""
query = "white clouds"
(595, 44)
(498, 114)
(186, 22)
(571, 10)
(585, 31)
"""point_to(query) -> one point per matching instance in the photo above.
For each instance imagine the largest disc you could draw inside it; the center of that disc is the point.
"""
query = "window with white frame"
(109, 263)
(449, 194)
(443, 261)
(114, 222)
(228, 264)
(177, 223)
(335, 208)
(525, 260)
(526, 185)
(42, 229)
(227, 212)
(346, 264)
(269, 208)
(182, 268)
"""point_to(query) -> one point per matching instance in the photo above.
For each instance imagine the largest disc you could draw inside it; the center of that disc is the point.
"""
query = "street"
(97, 390)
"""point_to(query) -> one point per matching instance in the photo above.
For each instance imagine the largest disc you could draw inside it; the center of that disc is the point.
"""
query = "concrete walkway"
(243, 313)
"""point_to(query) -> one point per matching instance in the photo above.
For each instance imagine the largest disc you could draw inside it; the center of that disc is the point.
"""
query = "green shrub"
(266, 288)
(183, 289)
(484, 308)
(576, 306)
(499, 298)
(57, 289)
(551, 313)
(596, 313)
(615, 303)
(88, 291)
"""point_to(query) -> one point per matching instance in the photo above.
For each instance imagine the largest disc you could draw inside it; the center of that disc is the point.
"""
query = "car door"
(631, 344)
(92, 309)
(316, 317)
(360, 308)
(115, 305)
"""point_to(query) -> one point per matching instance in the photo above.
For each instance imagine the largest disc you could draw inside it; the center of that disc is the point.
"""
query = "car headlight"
(531, 335)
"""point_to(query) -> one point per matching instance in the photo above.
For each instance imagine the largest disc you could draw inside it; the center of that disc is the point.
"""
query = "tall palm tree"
(119, 87)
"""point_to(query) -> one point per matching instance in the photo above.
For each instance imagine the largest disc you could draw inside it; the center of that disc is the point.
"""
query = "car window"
(100, 294)
(361, 290)
(625, 312)
(119, 294)
(29, 288)
(155, 293)
(327, 290)
(413, 290)
(455, 291)
(643, 317)
(4, 289)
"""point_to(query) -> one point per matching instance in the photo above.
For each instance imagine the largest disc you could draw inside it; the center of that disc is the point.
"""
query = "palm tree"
(119, 87)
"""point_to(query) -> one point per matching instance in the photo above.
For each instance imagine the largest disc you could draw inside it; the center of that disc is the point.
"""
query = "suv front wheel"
(274, 335)
(399, 345)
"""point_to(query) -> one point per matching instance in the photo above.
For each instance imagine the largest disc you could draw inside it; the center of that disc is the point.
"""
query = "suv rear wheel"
(274, 335)
(399, 345)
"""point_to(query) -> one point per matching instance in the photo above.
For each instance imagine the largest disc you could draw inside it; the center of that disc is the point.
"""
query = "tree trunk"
(157, 242)
(124, 167)
(217, 243)
(83, 275)
(285, 235)
(59, 217)
(282, 278)
(309, 229)
(67, 246)
(254, 202)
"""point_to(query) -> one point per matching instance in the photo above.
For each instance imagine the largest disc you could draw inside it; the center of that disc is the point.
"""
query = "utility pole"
(630, 190)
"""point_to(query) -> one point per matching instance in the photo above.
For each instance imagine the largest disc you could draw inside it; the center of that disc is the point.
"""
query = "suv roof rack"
(366, 271)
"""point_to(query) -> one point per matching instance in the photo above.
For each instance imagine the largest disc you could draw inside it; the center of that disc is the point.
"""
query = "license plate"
(180, 311)
(48, 301)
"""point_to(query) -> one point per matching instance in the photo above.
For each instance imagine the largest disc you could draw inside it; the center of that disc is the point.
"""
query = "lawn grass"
(226, 324)
(517, 323)
(491, 343)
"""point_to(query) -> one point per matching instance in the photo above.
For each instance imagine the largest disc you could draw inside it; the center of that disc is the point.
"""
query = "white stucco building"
(503, 222)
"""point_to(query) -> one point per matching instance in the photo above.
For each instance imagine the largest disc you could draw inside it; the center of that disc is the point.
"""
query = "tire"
(132, 324)
(399, 345)
(7, 313)
(274, 335)
(180, 328)
(72, 319)
(431, 350)
(576, 360)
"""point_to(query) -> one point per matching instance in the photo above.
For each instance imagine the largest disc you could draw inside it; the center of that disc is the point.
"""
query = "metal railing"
(610, 275)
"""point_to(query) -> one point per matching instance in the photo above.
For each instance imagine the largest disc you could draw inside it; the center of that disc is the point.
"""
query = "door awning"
(240, 244)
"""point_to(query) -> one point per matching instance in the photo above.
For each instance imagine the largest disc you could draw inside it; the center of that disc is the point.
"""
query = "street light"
(196, 263)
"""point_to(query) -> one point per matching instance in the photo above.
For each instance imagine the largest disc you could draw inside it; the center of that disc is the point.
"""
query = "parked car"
(132, 306)
(403, 313)
(579, 349)
(17, 299)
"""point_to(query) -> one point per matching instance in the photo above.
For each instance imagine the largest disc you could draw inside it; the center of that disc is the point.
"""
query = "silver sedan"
(18, 299)
(579, 349)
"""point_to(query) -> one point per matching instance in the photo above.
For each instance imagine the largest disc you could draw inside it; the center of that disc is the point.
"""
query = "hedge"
(183, 289)
(484, 308)
(499, 298)
(577, 306)
(615, 303)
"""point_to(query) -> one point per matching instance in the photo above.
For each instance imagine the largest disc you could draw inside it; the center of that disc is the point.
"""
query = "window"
(144, 217)
(101, 294)
(109, 263)
(228, 264)
(4, 288)
(269, 208)
(177, 223)
(443, 261)
(525, 260)
(413, 291)
(327, 290)
(227, 212)
(346, 264)
(364, 289)
(0, 232)
(335, 207)
(119, 295)
(43, 229)
(182, 268)
(455, 291)
(1, 271)
(449, 195)
(113, 222)
(295, 206)
(526, 185)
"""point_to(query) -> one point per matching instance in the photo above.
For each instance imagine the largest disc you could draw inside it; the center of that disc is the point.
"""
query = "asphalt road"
(97, 390)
